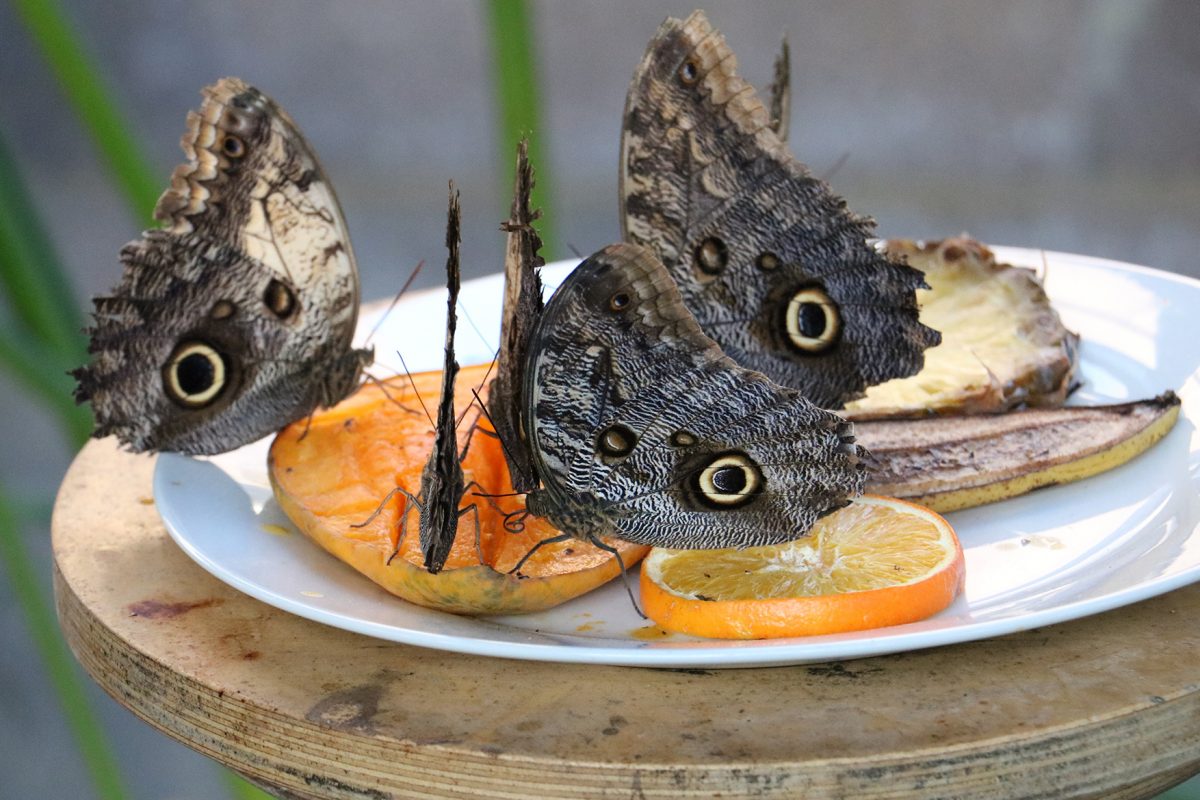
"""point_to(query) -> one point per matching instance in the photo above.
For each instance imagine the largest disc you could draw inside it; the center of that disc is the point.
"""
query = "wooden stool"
(1107, 706)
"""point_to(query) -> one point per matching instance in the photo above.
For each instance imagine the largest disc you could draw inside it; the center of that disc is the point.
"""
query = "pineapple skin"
(1003, 344)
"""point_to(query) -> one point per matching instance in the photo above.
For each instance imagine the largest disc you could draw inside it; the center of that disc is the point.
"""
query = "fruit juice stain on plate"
(312, 594)
(650, 633)
(591, 625)
(276, 530)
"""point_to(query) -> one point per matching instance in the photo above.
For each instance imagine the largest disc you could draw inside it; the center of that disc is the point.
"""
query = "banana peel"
(950, 463)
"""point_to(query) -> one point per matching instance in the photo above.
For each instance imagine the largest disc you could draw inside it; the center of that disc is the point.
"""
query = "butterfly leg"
(474, 509)
(508, 456)
(378, 508)
(412, 502)
(562, 537)
(307, 425)
(471, 431)
(608, 548)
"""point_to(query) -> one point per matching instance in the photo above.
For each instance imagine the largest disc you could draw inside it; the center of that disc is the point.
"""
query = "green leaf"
(60, 666)
(242, 789)
(80, 80)
(30, 271)
(45, 375)
(517, 95)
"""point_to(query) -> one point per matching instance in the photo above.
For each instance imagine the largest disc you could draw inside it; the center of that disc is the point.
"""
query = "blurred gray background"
(1071, 125)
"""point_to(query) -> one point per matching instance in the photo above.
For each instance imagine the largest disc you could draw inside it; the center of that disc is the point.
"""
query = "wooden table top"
(1107, 706)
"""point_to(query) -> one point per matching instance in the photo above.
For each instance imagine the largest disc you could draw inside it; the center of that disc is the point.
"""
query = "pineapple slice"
(1002, 346)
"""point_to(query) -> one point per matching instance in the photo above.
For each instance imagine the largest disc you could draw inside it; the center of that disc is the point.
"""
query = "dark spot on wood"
(635, 788)
(352, 710)
(341, 788)
(251, 655)
(158, 609)
(838, 670)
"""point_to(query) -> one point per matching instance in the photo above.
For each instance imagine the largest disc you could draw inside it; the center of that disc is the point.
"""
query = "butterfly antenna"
(837, 165)
(408, 283)
(993, 378)
(482, 381)
(384, 389)
(608, 548)
(417, 392)
(467, 316)
(491, 503)
(503, 446)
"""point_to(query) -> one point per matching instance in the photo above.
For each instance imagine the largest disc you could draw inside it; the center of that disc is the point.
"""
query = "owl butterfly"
(236, 317)
(442, 488)
(773, 265)
(634, 424)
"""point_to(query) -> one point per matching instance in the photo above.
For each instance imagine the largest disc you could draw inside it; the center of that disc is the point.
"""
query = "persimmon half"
(334, 476)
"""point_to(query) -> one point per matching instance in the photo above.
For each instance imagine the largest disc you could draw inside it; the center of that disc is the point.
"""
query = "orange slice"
(335, 476)
(877, 562)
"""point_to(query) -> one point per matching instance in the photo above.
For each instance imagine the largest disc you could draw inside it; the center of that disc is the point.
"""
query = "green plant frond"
(30, 271)
(60, 666)
(242, 789)
(517, 95)
(44, 373)
(91, 100)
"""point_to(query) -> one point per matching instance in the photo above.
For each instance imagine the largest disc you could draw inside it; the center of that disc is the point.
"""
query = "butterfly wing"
(236, 317)
(522, 308)
(642, 428)
(774, 266)
(442, 478)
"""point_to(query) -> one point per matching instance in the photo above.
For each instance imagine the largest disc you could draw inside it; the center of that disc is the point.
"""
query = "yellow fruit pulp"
(870, 544)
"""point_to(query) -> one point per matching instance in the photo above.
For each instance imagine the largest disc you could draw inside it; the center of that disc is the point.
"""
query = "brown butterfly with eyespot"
(774, 266)
(235, 318)
(619, 417)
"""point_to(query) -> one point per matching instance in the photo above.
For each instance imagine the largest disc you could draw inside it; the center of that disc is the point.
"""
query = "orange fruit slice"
(334, 477)
(877, 562)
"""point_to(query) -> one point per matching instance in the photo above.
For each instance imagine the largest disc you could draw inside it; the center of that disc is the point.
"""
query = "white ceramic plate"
(1054, 555)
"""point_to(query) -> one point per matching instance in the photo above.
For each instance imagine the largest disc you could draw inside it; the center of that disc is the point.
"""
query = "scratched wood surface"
(1105, 707)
